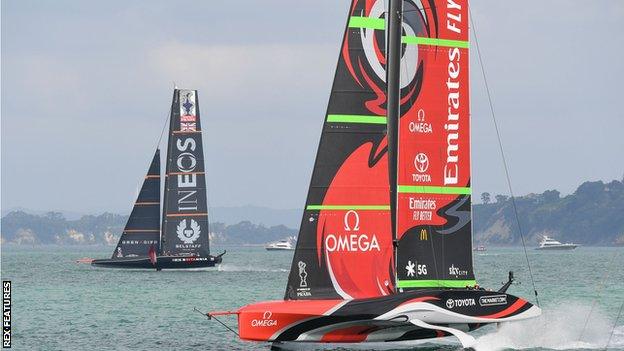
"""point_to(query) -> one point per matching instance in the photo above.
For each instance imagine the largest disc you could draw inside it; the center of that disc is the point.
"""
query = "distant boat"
(480, 248)
(282, 245)
(182, 241)
(552, 244)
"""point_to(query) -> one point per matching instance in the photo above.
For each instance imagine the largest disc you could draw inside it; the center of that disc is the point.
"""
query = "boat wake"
(249, 268)
(558, 328)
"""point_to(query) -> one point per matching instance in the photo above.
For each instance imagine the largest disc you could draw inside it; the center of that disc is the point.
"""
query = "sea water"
(62, 305)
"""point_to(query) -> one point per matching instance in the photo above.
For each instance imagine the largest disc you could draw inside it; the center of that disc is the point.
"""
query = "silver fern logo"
(188, 235)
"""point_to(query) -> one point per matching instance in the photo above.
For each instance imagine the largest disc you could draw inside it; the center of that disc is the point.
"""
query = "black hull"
(162, 262)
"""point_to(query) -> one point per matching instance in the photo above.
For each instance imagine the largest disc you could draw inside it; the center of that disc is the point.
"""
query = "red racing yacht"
(384, 251)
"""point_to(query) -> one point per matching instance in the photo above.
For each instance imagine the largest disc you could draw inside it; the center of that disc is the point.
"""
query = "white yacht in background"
(282, 245)
(480, 248)
(552, 244)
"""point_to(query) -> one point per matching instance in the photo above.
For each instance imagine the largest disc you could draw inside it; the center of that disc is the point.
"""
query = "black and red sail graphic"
(433, 207)
(185, 210)
(345, 245)
(142, 230)
(344, 249)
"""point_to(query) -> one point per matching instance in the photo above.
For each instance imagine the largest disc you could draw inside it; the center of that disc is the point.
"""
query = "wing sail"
(433, 208)
(344, 248)
(185, 210)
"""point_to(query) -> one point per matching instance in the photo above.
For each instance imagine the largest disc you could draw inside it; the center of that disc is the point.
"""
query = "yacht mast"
(393, 59)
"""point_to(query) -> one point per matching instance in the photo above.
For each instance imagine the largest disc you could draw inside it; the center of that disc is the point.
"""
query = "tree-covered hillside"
(52, 228)
(592, 215)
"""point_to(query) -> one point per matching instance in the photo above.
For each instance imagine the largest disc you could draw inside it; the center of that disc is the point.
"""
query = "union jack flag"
(187, 127)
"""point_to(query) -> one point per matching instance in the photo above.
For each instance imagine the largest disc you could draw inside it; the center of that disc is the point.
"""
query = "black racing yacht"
(182, 241)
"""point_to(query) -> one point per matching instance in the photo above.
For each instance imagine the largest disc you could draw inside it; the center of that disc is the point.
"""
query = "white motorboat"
(552, 244)
(282, 245)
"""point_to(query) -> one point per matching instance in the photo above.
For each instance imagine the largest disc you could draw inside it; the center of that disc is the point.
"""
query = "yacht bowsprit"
(180, 240)
(384, 251)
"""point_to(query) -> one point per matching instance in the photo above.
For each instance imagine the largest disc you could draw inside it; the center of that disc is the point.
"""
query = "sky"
(86, 87)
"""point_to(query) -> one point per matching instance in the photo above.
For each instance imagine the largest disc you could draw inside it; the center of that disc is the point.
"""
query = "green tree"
(551, 195)
(485, 197)
(501, 198)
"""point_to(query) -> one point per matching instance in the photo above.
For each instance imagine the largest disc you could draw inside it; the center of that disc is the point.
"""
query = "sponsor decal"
(186, 163)
(410, 269)
(303, 275)
(351, 242)
(422, 208)
(135, 242)
(191, 259)
(423, 234)
(119, 253)
(356, 224)
(452, 303)
(266, 320)
(451, 168)
(6, 314)
(303, 289)
(421, 163)
(414, 269)
(453, 16)
(493, 300)
(188, 234)
(421, 125)
(457, 271)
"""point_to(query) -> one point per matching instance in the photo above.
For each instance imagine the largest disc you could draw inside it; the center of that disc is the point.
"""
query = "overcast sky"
(86, 87)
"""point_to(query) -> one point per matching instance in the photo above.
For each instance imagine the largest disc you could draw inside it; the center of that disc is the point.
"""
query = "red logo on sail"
(356, 244)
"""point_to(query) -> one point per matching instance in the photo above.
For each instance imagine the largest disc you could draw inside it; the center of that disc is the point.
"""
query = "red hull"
(385, 319)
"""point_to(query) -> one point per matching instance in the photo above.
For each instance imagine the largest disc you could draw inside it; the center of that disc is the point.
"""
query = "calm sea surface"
(61, 305)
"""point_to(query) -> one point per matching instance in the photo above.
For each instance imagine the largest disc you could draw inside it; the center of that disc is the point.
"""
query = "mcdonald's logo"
(423, 234)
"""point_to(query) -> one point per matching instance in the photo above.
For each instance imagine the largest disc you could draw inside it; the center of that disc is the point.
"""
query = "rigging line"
(223, 324)
(215, 318)
(500, 145)
(162, 132)
(605, 277)
(614, 325)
